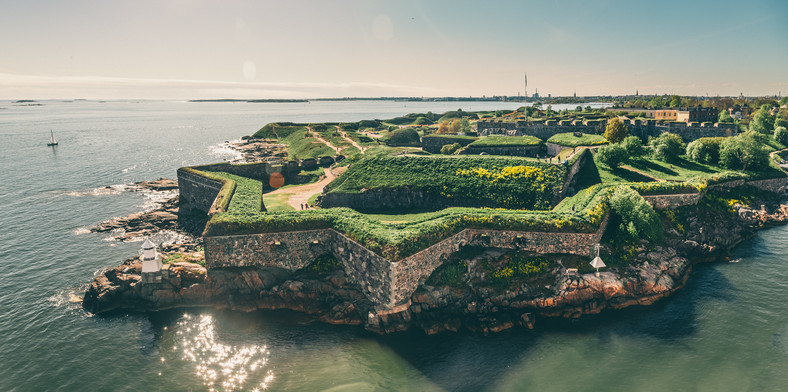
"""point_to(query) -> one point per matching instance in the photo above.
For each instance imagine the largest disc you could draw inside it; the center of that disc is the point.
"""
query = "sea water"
(727, 330)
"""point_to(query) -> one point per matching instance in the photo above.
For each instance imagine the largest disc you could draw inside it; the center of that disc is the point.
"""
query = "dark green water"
(726, 331)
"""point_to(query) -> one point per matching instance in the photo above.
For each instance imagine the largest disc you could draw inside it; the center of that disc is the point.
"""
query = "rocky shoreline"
(653, 273)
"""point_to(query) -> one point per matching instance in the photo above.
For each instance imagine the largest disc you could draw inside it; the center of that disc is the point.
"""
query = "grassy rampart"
(490, 181)
(569, 139)
(506, 141)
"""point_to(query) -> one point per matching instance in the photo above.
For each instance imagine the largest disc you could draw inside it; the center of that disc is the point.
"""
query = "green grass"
(247, 198)
(278, 130)
(506, 141)
(300, 147)
(570, 140)
(470, 181)
(452, 137)
(681, 170)
(277, 202)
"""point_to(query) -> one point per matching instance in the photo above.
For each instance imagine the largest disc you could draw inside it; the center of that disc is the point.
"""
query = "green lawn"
(570, 140)
(277, 202)
(506, 141)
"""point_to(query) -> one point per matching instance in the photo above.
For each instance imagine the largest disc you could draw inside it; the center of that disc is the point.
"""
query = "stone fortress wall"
(642, 129)
(390, 283)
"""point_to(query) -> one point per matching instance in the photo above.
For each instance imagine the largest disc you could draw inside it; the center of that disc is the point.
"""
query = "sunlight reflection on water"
(220, 366)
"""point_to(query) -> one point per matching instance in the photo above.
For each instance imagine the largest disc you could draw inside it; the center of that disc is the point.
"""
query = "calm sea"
(726, 331)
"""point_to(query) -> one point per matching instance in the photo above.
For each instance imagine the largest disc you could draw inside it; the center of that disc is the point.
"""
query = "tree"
(613, 155)
(616, 130)
(668, 146)
(784, 101)
(449, 149)
(454, 127)
(779, 121)
(638, 218)
(633, 146)
(674, 101)
(465, 125)
(725, 117)
(443, 128)
(781, 135)
(745, 151)
(762, 120)
(657, 102)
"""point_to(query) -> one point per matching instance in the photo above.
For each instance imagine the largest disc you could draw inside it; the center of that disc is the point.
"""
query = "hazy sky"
(307, 49)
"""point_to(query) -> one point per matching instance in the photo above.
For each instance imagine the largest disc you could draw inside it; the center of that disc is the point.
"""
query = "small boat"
(53, 142)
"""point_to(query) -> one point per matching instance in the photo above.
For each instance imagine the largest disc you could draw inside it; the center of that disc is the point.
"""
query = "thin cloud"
(36, 86)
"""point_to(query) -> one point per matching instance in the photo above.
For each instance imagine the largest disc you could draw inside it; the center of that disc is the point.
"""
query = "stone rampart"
(776, 185)
(385, 282)
(197, 192)
(519, 151)
(377, 199)
(433, 144)
(642, 129)
(572, 177)
(673, 201)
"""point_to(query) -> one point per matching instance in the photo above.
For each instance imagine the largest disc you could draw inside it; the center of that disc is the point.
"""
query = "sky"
(196, 49)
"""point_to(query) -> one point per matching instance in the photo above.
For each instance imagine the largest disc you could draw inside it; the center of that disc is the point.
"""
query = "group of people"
(305, 206)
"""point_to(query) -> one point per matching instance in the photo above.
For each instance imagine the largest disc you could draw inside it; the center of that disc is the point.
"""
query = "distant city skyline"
(179, 49)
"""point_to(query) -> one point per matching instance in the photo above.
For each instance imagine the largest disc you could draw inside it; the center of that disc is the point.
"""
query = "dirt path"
(299, 195)
(324, 141)
(353, 142)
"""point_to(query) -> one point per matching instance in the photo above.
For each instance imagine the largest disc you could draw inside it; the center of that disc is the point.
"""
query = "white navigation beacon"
(151, 262)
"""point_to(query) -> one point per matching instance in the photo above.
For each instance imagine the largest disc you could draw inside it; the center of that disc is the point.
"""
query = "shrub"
(781, 135)
(705, 150)
(404, 137)
(668, 146)
(634, 146)
(638, 218)
(450, 148)
(613, 155)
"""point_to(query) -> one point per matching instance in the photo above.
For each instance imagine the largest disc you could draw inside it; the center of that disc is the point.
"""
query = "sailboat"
(53, 142)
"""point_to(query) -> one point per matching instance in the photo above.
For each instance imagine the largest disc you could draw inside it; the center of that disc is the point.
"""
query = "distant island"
(251, 100)
(478, 220)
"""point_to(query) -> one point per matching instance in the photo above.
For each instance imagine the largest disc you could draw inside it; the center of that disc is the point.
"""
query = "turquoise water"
(726, 331)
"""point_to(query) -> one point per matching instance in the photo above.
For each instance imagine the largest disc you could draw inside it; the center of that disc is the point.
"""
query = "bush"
(450, 149)
(634, 146)
(668, 146)
(404, 137)
(613, 155)
(705, 150)
(781, 135)
(638, 218)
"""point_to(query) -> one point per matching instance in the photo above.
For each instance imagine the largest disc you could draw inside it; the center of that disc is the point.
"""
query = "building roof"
(148, 244)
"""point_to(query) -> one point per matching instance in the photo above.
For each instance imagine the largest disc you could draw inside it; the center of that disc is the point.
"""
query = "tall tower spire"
(525, 94)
